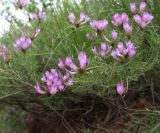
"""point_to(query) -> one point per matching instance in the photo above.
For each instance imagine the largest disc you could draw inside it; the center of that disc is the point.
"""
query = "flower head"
(142, 6)
(69, 65)
(56, 81)
(143, 20)
(41, 14)
(33, 16)
(114, 34)
(103, 51)
(37, 31)
(5, 53)
(127, 28)
(99, 25)
(119, 19)
(83, 19)
(120, 88)
(23, 43)
(39, 90)
(133, 7)
(124, 51)
(20, 3)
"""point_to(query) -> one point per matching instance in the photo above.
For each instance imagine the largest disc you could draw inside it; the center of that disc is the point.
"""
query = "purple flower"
(103, 51)
(124, 17)
(72, 18)
(133, 7)
(99, 25)
(23, 43)
(62, 64)
(37, 31)
(119, 19)
(5, 53)
(39, 90)
(56, 81)
(116, 19)
(124, 51)
(138, 19)
(143, 20)
(83, 60)
(41, 14)
(33, 16)
(83, 19)
(114, 34)
(68, 63)
(127, 28)
(20, 3)
(142, 6)
(120, 88)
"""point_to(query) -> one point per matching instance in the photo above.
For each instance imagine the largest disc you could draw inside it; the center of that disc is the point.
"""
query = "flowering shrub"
(93, 60)
(113, 47)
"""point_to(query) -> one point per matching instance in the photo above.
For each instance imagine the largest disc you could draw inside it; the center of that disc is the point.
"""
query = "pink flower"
(124, 51)
(37, 31)
(114, 34)
(127, 28)
(56, 81)
(142, 6)
(41, 15)
(68, 63)
(83, 19)
(20, 3)
(83, 60)
(143, 20)
(39, 90)
(119, 19)
(133, 7)
(120, 88)
(5, 53)
(33, 16)
(72, 18)
(23, 43)
(103, 51)
(99, 25)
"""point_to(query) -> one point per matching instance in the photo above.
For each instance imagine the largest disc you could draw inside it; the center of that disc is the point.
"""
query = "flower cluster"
(103, 51)
(40, 16)
(141, 17)
(122, 20)
(23, 43)
(20, 3)
(124, 51)
(99, 25)
(55, 81)
(5, 53)
(83, 19)
(70, 66)
(143, 20)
